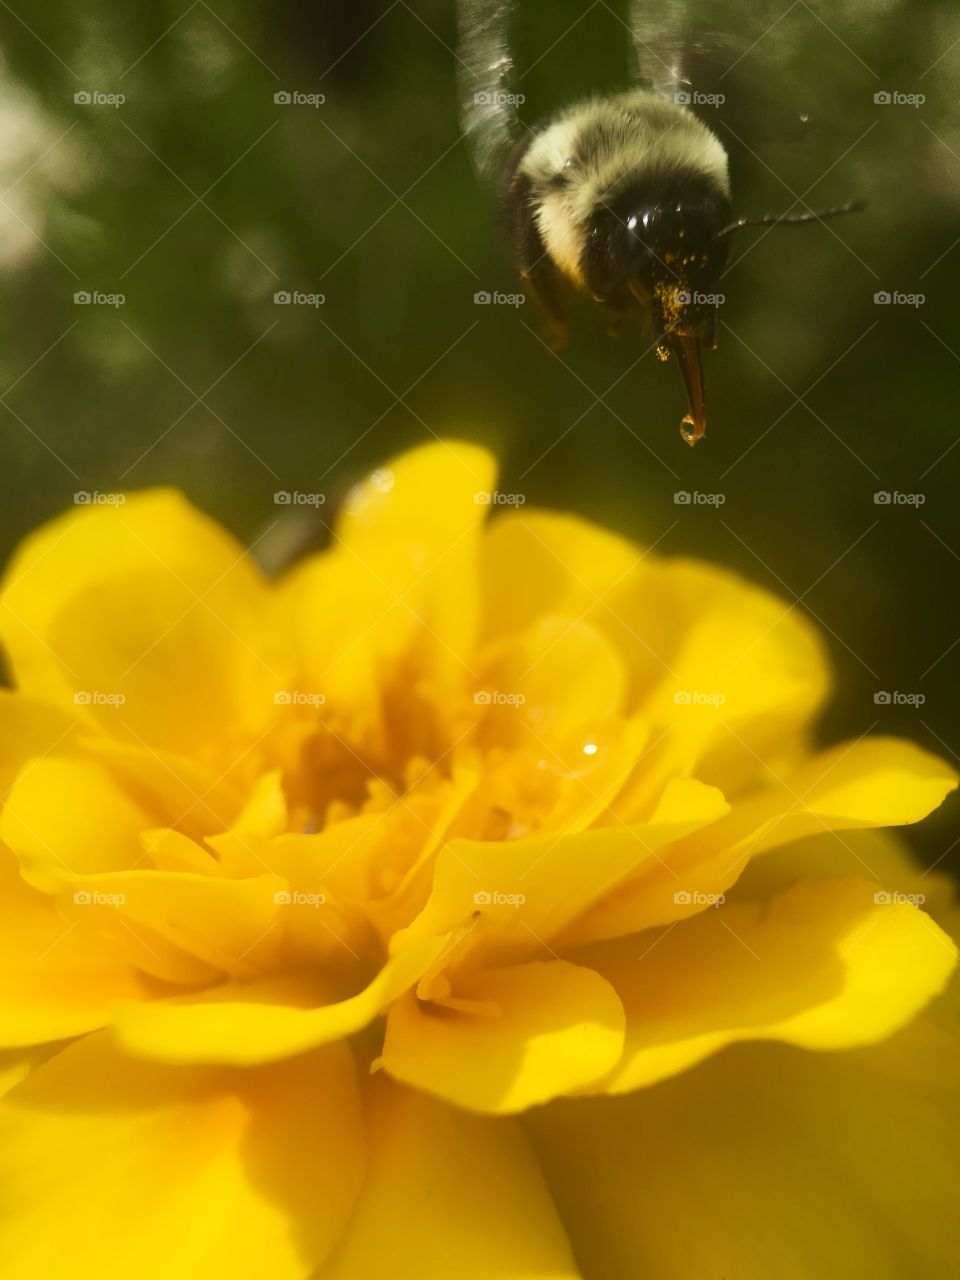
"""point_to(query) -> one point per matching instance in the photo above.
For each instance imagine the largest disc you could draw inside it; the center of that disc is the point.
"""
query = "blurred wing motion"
(659, 34)
(488, 110)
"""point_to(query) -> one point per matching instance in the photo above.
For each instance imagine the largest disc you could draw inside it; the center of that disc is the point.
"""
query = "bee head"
(658, 242)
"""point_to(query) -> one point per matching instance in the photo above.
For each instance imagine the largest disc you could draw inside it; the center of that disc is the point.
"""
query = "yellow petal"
(556, 688)
(522, 893)
(91, 825)
(826, 965)
(875, 782)
(449, 1194)
(797, 1165)
(258, 1022)
(147, 602)
(536, 563)
(31, 729)
(403, 564)
(155, 1172)
(535, 1031)
(58, 977)
(231, 925)
(730, 673)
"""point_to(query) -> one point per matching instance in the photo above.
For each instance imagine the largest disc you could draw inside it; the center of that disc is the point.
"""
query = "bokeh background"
(199, 197)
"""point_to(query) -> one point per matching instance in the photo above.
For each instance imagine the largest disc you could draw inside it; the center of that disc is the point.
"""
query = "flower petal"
(522, 893)
(198, 1173)
(403, 565)
(92, 827)
(149, 602)
(258, 1022)
(876, 782)
(449, 1194)
(536, 563)
(58, 977)
(789, 1164)
(515, 1037)
(827, 965)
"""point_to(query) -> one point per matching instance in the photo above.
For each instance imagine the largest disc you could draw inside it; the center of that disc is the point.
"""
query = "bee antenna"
(793, 219)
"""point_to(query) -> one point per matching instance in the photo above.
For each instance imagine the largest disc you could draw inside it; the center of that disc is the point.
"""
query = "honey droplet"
(688, 430)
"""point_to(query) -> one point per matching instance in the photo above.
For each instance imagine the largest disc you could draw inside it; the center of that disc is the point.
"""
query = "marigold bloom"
(388, 919)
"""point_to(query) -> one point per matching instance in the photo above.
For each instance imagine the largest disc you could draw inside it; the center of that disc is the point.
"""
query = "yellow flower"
(369, 923)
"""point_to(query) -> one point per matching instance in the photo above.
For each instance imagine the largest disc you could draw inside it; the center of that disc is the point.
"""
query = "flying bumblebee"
(625, 197)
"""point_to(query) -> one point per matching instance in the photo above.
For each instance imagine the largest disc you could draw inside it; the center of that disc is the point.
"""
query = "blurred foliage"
(199, 197)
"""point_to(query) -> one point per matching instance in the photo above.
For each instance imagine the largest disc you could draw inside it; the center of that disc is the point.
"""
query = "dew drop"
(590, 749)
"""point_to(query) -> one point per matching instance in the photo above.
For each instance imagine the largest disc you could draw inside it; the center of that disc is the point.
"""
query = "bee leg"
(535, 264)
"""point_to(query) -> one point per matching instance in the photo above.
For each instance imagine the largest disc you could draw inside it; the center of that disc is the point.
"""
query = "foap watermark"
(897, 98)
(694, 98)
(297, 98)
(95, 898)
(486, 898)
(893, 898)
(697, 698)
(297, 298)
(494, 498)
(496, 298)
(894, 698)
(97, 98)
(97, 298)
(688, 498)
(695, 299)
(497, 98)
(897, 298)
(495, 698)
(298, 698)
(94, 498)
(295, 498)
(694, 898)
(96, 698)
(894, 498)
(296, 898)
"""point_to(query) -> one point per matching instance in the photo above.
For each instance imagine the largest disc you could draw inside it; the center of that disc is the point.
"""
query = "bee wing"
(659, 34)
(487, 112)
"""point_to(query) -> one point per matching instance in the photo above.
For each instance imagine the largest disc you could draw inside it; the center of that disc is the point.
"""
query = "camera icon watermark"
(95, 898)
(94, 498)
(496, 98)
(496, 698)
(96, 298)
(894, 698)
(694, 898)
(96, 98)
(894, 498)
(896, 98)
(694, 498)
(893, 898)
(694, 98)
(497, 298)
(294, 498)
(484, 898)
(298, 298)
(96, 698)
(298, 698)
(697, 698)
(296, 898)
(897, 298)
(295, 98)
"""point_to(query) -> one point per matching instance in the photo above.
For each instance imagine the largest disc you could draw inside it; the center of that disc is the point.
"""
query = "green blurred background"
(200, 197)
